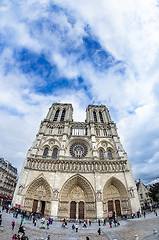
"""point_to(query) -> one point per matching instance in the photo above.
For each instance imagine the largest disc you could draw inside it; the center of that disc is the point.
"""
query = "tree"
(154, 191)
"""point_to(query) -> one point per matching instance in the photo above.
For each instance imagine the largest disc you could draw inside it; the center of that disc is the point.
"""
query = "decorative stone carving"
(21, 187)
(52, 142)
(98, 195)
(28, 203)
(77, 165)
(55, 194)
(131, 192)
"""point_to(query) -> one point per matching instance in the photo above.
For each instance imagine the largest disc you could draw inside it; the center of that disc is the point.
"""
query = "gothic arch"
(77, 139)
(69, 192)
(40, 191)
(115, 193)
(117, 184)
(49, 142)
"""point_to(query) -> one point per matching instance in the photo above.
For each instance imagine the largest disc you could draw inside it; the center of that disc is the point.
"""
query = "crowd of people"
(112, 221)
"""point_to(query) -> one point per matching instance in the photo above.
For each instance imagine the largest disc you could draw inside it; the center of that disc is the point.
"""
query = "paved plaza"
(143, 227)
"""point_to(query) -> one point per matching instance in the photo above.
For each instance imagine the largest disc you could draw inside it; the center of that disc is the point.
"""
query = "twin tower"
(77, 170)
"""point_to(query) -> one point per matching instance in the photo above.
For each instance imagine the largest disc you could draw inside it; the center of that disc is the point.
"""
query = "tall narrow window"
(109, 154)
(101, 117)
(104, 132)
(101, 154)
(45, 153)
(54, 153)
(95, 116)
(56, 115)
(63, 115)
(98, 132)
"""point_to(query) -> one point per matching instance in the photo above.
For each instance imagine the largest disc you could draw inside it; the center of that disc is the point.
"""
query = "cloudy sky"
(81, 52)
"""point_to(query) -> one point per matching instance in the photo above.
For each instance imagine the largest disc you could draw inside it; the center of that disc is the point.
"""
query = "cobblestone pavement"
(126, 231)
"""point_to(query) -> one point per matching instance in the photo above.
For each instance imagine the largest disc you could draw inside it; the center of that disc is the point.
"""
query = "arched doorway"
(38, 197)
(77, 199)
(81, 210)
(73, 210)
(115, 198)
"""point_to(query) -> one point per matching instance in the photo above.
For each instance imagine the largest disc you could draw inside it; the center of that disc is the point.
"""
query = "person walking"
(99, 231)
(21, 222)
(84, 224)
(48, 237)
(13, 224)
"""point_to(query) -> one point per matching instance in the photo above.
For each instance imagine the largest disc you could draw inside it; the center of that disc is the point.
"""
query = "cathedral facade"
(77, 170)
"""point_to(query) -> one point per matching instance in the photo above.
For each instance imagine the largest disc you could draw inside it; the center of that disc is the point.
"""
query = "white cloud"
(126, 29)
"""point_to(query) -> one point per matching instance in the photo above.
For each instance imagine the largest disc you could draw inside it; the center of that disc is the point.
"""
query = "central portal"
(77, 210)
(77, 199)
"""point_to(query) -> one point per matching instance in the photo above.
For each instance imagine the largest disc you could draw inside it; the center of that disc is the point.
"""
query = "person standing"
(144, 214)
(47, 224)
(73, 228)
(0, 218)
(13, 224)
(76, 226)
(99, 222)
(35, 222)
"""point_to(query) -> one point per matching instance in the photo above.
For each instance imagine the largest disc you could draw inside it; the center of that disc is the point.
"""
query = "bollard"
(1, 228)
(136, 237)
(154, 231)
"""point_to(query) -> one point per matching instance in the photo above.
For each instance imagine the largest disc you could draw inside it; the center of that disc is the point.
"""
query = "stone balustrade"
(76, 165)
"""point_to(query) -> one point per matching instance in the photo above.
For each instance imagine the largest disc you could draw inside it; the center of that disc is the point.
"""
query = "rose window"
(78, 150)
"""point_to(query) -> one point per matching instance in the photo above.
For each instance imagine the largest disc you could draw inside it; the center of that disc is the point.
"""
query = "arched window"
(101, 154)
(101, 117)
(109, 154)
(45, 153)
(95, 116)
(54, 153)
(63, 115)
(56, 115)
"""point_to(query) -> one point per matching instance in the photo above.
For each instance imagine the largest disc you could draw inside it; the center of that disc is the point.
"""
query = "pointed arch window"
(63, 115)
(46, 150)
(101, 117)
(54, 153)
(56, 115)
(95, 116)
(109, 154)
(101, 154)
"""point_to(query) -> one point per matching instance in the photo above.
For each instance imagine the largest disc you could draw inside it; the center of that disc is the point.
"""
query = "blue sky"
(93, 52)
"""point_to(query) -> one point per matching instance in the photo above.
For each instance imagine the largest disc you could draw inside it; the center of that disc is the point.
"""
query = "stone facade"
(143, 193)
(8, 177)
(77, 170)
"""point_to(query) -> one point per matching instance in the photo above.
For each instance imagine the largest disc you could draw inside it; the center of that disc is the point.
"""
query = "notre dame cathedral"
(77, 170)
